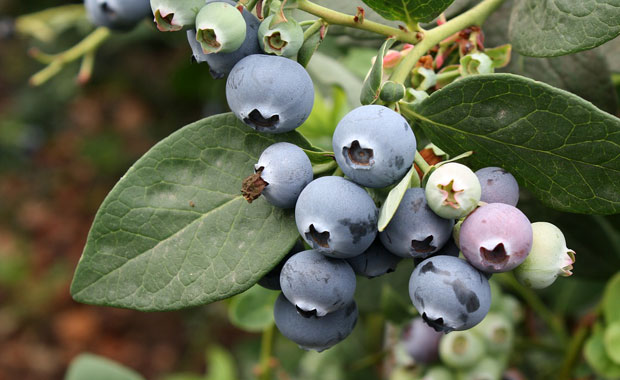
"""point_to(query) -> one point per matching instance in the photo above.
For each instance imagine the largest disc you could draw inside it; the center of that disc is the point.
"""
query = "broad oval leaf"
(548, 28)
(409, 11)
(562, 148)
(252, 310)
(93, 367)
(175, 231)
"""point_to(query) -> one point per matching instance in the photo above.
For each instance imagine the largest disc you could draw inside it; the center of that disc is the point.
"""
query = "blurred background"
(64, 145)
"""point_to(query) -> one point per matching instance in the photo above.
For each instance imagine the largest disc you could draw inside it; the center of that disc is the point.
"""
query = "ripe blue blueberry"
(272, 279)
(269, 93)
(415, 230)
(336, 217)
(421, 341)
(461, 349)
(374, 146)
(498, 186)
(117, 14)
(496, 237)
(548, 258)
(317, 284)
(449, 293)
(220, 64)
(284, 170)
(375, 261)
(452, 191)
(314, 333)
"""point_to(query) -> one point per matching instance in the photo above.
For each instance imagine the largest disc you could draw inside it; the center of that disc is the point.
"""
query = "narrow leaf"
(389, 207)
(372, 85)
(562, 148)
(175, 231)
(409, 11)
(549, 28)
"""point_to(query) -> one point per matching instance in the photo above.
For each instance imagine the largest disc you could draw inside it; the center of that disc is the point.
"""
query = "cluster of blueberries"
(457, 211)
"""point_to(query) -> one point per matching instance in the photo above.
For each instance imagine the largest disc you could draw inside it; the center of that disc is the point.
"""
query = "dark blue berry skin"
(271, 94)
(449, 293)
(119, 15)
(336, 217)
(287, 170)
(374, 146)
(375, 261)
(421, 341)
(317, 284)
(314, 333)
(415, 230)
(498, 186)
(220, 64)
(272, 279)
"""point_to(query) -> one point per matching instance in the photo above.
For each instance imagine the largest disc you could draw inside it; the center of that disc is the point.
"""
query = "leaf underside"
(548, 28)
(409, 11)
(175, 231)
(560, 147)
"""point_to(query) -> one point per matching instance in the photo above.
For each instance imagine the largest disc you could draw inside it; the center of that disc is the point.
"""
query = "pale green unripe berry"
(453, 191)
(486, 369)
(476, 63)
(284, 38)
(438, 373)
(173, 15)
(220, 28)
(548, 259)
(461, 349)
(497, 331)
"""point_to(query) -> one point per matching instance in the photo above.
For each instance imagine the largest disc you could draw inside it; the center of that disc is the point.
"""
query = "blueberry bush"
(393, 189)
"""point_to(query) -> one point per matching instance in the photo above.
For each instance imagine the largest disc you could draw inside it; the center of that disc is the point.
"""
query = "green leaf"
(611, 300)
(252, 310)
(310, 46)
(389, 207)
(409, 11)
(175, 231)
(221, 364)
(585, 74)
(595, 354)
(611, 340)
(549, 28)
(557, 145)
(322, 162)
(92, 367)
(372, 85)
(396, 305)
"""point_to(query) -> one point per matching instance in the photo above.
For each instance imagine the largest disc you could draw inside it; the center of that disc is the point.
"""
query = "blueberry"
(421, 341)
(415, 230)
(498, 186)
(272, 279)
(269, 93)
(374, 146)
(220, 28)
(497, 331)
(283, 39)
(438, 373)
(496, 237)
(452, 191)
(548, 258)
(220, 64)
(314, 333)
(449, 293)
(375, 261)
(461, 349)
(119, 15)
(284, 170)
(316, 284)
(336, 217)
(487, 368)
(173, 15)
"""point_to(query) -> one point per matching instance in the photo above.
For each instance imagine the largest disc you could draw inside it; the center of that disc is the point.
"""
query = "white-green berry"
(548, 258)
(220, 28)
(461, 349)
(453, 191)
(173, 15)
(282, 38)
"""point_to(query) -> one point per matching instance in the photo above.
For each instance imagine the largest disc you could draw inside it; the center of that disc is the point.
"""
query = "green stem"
(337, 18)
(474, 16)
(86, 69)
(573, 352)
(532, 299)
(421, 162)
(315, 27)
(58, 61)
(448, 75)
(615, 78)
(266, 348)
